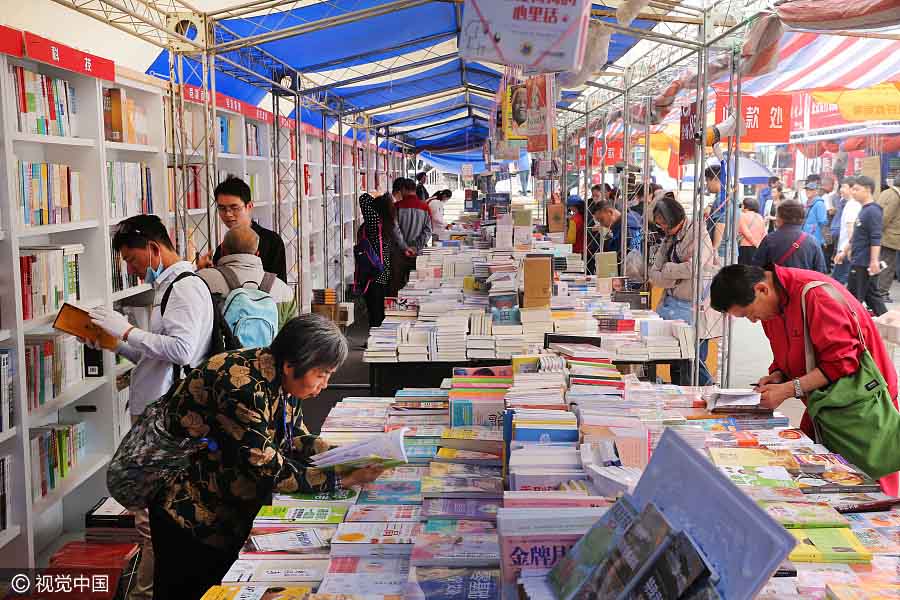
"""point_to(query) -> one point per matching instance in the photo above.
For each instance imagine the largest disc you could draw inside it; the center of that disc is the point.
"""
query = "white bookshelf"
(37, 521)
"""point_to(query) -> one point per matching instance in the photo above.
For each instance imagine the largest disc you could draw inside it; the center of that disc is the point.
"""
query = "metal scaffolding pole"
(647, 200)
(735, 201)
(698, 224)
(340, 194)
(326, 230)
(626, 121)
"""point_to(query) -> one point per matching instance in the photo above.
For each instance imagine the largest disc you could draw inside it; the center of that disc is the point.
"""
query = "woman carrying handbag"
(375, 244)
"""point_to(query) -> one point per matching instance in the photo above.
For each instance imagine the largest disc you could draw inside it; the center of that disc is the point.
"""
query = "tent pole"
(588, 156)
(626, 119)
(736, 202)
(648, 106)
(698, 224)
(326, 229)
(340, 185)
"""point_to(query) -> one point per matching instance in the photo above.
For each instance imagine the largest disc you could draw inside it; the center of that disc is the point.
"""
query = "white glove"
(115, 323)
(90, 343)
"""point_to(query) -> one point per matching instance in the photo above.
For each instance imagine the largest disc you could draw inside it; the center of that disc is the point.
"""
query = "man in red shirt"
(772, 296)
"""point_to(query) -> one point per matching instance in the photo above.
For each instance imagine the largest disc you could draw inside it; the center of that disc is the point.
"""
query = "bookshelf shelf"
(132, 291)
(9, 534)
(4, 335)
(26, 138)
(73, 393)
(58, 228)
(141, 148)
(8, 434)
(33, 326)
(86, 468)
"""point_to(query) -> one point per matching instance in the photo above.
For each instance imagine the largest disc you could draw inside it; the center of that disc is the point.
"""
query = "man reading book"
(178, 336)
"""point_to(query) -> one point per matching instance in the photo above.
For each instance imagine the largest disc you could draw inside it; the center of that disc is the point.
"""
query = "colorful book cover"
(375, 533)
(866, 591)
(679, 566)
(340, 496)
(365, 566)
(774, 477)
(839, 545)
(436, 469)
(430, 583)
(286, 541)
(330, 515)
(457, 526)
(818, 463)
(835, 481)
(776, 494)
(257, 592)
(879, 541)
(462, 486)
(797, 515)
(460, 508)
(403, 473)
(467, 456)
(570, 573)
(391, 492)
(468, 550)
(375, 513)
(752, 457)
(874, 519)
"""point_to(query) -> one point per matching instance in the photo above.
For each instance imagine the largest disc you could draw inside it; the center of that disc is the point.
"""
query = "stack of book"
(354, 419)
(575, 322)
(121, 278)
(382, 343)
(365, 576)
(451, 337)
(480, 347)
(476, 395)
(324, 296)
(53, 363)
(48, 193)
(118, 560)
(535, 323)
(111, 523)
(536, 467)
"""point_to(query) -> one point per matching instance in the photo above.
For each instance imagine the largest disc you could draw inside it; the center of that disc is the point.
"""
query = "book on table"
(385, 450)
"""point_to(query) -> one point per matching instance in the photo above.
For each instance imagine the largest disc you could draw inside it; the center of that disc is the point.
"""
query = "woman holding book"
(844, 343)
(673, 271)
(246, 406)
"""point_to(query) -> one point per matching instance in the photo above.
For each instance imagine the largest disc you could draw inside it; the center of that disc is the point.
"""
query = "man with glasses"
(235, 207)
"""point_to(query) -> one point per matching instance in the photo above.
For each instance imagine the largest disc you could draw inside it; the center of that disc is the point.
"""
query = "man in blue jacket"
(610, 217)
(789, 245)
(816, 213)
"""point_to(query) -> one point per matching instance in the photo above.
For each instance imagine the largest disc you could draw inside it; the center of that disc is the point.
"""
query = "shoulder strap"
(268, 281)
(168, 292)
(790, 251)
(807, 342)
(231, 278)
(380, 242)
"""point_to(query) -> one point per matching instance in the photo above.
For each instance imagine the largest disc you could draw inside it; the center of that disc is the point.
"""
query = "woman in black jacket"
(379, 222)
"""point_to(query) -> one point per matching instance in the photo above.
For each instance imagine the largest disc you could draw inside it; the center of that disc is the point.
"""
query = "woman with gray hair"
(246, 406)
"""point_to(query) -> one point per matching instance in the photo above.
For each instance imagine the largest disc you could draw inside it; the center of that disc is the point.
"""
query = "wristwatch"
(798, 390)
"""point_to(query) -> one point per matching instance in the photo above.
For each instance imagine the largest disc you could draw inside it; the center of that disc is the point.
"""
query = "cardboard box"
(538, 281)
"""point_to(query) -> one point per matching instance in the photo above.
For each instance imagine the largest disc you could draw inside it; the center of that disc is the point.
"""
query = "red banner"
(687, 143)
(258, 114)
(11, 41)
(767, 119)
(64, 57)
(229, 103)
(615, 152)
(192, 93)
(286, 123)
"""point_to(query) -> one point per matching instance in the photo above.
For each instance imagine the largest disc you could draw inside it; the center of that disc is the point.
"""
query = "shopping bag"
(854, 416)
(149, 457)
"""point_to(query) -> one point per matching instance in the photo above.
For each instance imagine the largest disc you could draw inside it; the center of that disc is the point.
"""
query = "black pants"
(374, 298)
(746, 254)
(185, 568)
(401, 265)
(865, 288)
(887, 276)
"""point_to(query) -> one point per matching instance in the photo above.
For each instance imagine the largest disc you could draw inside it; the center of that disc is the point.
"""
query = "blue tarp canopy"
(401, 69)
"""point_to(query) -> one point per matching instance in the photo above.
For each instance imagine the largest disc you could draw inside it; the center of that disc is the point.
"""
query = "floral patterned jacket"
(235, 400)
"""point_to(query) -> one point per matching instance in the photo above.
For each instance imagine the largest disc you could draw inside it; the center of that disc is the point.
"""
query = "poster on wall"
(540, 114)
(515, 112)
(543, 37)
(767, 119)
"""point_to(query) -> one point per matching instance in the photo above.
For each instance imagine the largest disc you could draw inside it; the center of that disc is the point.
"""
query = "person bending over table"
(248, 402)
(773, 296)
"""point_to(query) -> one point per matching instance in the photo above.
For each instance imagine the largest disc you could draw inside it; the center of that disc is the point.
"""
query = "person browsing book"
(180, 336)
(235, 206)
(247, 405)
(843, 331)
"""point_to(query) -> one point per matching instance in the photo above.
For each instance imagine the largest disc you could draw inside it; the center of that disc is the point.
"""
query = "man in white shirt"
(848, 217)
(240, 260)
(179, 337)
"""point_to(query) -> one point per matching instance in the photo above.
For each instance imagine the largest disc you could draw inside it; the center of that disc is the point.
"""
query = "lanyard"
(288, 433)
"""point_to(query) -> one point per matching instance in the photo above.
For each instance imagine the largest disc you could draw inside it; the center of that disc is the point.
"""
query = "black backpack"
(222, 339)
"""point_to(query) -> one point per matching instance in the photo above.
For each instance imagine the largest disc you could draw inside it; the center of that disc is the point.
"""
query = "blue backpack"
(369, 262)
(252, 314)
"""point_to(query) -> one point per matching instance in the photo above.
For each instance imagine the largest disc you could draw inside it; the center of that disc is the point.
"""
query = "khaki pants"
(143, 587)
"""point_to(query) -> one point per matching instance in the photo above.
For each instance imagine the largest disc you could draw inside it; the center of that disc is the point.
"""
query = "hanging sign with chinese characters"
(70, 59)
(687, 143)
(766, 119)
(543, 35)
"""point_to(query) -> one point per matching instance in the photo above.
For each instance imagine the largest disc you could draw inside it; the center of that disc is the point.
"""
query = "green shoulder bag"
(854, 416)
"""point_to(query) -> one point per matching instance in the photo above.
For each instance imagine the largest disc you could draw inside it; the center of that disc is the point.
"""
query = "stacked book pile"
(481, 347)
(535, 323)
(574, 263)
(509, 344)
(119, 561)
(108, 522)
(355, 419)
(398, 309)
(480, 323)
(476, 396)
(574, 321)
(452, 330)
(537, 465)
(383, 342)
(535, 385)
(325, 296)
(417, 340)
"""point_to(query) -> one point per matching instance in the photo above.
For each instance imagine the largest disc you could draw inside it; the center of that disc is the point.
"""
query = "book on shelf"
(55, 451)
(52, 364)
(44, 105)
(50, 276)
(48, 193)
(7, 389)
(121, 278)
(110, 522)
(6, 515)
(130, 189)
(124, 119)
(253, 147)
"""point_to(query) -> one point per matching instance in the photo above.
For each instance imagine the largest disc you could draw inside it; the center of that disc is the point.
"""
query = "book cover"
(287, 541)
(340, 496)
(797, 515)
(454, 550)
(752, 457)
(834, 481)
(839, 545)
(436, 469)
(679, 566)
(375, 513)
(391, 492)
(455, 455)
(364, 566)
(879, 541)
(430, 583)
(866, 591)
(375, 533)
(460, 508)
(276, 571)
(302, 514)
(462, 487)
(776, 494)
(775, 477)
(257, 592)
(457, 526)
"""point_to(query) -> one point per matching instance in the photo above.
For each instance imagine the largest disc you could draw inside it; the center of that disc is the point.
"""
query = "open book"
(385, 450)
(77, 321)
(734, 401)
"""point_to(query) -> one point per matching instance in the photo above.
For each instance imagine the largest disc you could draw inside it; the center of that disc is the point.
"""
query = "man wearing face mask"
(179, 337)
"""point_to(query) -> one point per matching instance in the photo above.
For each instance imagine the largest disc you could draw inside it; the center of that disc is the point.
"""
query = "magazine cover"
(391, 492)
(460, 508)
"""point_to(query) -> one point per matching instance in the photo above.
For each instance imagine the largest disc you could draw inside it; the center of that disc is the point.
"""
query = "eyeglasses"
(230, 209)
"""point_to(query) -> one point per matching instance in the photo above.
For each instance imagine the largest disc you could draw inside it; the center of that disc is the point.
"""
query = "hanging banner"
(615, 152)
(515, 113)
(70, 59)
(767, 119)
(11, 41)
(543, 36)
(687, 145)
(258, 114)
(539, 113)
